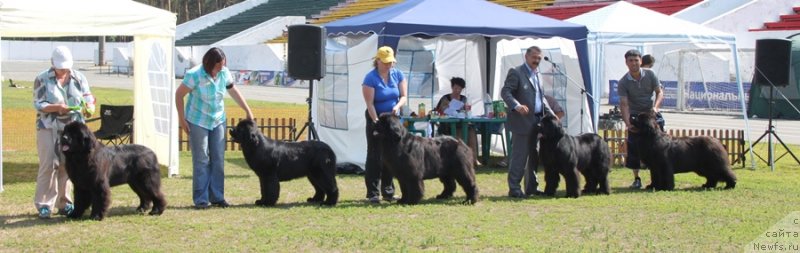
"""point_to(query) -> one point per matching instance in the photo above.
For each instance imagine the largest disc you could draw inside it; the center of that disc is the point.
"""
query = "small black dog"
(667, 155)
(412, 159)
(94, 169)
(275, 161)
(565, 154)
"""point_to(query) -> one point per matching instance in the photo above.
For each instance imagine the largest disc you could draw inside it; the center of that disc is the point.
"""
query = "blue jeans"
(208, 158)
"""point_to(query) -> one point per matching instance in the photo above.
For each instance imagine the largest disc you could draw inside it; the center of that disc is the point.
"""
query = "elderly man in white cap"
(60, 95)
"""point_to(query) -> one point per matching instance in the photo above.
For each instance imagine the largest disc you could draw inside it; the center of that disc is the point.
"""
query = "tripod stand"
(312, 131)
(769, 133)
(572, 82)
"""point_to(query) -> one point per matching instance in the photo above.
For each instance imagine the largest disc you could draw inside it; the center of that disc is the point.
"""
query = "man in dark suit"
(524, 96)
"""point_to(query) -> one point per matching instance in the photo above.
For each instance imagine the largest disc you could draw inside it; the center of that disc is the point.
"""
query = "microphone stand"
(569, 80)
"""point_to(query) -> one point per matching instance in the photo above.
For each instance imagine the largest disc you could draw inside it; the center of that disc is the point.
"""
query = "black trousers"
(632, 159)
(376, 174)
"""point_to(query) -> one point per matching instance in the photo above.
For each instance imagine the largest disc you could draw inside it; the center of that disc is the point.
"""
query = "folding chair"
(499, 129)
(116, 124)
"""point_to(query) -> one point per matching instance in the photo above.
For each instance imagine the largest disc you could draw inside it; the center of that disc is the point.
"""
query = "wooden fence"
(283, 129)
(733, 140)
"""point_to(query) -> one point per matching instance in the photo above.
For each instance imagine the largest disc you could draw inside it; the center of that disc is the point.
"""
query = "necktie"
(538, 89)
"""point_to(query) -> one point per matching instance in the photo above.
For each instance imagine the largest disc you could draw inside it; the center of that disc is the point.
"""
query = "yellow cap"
(385, 54)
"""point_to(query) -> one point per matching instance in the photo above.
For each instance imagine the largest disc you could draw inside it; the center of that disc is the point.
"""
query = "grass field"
(689, 219)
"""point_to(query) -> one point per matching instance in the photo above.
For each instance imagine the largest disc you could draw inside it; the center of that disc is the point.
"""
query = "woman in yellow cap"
(384, 90)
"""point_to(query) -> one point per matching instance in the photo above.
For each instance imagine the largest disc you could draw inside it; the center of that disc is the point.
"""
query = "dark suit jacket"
(517, 90)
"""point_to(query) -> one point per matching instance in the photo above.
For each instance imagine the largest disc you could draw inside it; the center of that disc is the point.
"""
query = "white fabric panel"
(510, 54)
(350, 145)
(155, 119)
(461, 57)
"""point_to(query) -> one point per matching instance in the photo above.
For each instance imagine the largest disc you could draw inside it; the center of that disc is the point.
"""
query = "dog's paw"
(314, 200)
(156, 212)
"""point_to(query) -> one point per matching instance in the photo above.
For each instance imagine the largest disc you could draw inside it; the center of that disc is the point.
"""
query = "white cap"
(62, 58)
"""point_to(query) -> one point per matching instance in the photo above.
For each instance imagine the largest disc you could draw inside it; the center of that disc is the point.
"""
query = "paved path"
(787, 130)
(27, 70)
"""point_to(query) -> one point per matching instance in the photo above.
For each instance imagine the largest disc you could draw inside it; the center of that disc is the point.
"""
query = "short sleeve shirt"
(205, 106)
(386, 94)
(47, 91)
(639, 92)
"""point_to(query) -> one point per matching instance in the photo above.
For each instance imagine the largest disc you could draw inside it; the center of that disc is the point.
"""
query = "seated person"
(457, 85)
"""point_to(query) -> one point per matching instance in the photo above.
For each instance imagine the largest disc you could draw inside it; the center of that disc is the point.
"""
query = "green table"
(486, 137)
(483, 126)
(412, 120)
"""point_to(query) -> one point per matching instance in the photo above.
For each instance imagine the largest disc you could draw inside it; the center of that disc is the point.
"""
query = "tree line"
(190, 9)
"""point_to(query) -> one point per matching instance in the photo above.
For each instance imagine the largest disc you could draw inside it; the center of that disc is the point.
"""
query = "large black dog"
(565, 154)
(275, 161)
(411, 159)
(94, 169)
(667, 155)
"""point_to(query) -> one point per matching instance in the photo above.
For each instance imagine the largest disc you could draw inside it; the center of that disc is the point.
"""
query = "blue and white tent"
(452, 37)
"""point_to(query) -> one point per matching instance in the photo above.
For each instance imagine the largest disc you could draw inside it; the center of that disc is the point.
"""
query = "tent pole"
(1, 135)
(488, 65)
(744, 106)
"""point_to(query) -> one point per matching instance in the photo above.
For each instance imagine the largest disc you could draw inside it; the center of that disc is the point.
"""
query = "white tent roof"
(623, 23)
(154, 35)
(634, 24)
(46, 18)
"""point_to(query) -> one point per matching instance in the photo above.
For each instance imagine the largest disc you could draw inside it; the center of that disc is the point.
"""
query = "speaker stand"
(312, 131)
(769, 133)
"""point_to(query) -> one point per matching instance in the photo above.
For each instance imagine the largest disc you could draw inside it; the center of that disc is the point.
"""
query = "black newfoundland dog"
(411, 159)
(667, 155)
(94, 169)
(275, 161)
(563, 154)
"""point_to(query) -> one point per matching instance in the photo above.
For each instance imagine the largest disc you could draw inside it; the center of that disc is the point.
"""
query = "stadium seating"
(255, 16)
(786, 22)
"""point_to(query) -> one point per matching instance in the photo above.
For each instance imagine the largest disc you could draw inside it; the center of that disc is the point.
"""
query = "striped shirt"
(205, 106)
(47, 91)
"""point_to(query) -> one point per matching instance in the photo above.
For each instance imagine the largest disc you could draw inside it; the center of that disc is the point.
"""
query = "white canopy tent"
(624, 26)
(153, 29)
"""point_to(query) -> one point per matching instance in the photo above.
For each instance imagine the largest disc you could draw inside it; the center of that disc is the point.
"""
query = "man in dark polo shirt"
(636, 95)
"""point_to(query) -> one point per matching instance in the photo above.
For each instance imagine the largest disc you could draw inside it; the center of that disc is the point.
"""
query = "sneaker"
(222, 204)
(502, 163)
(66, 210)
(516, 194)
(637, 184)
(44, 213)
(374, 200)
(201, 206)
(391, 199)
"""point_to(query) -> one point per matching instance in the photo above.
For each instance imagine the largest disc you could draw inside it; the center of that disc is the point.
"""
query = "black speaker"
(773, 59)
(306, 52)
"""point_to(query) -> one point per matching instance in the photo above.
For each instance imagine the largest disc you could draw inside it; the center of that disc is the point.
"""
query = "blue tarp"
(463, 18)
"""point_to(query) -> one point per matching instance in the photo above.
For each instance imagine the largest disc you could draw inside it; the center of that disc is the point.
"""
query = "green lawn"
(689, 219)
